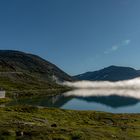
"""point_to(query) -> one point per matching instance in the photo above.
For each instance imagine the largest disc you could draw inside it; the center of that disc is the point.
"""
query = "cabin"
(2, 93)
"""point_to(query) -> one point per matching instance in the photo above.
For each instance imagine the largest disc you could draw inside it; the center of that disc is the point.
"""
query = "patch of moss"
(5, 100)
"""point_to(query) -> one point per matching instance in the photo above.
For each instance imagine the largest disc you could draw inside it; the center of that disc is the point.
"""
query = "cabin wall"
(2, 94)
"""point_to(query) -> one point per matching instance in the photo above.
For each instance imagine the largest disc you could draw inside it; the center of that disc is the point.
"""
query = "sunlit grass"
(52, 124)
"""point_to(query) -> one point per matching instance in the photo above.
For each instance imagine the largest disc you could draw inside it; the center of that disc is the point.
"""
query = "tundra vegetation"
(33, 123)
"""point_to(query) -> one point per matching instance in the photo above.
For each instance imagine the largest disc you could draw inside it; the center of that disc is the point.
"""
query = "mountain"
(19, 70)
(112, 73)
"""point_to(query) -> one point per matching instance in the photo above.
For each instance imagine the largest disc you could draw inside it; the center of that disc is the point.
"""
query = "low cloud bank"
(128, 84)
(104, 92)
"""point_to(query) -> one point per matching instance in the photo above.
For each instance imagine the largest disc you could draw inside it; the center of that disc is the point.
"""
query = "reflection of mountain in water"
(47, 101)
(53, 101)
(112, 101)
(58, 101)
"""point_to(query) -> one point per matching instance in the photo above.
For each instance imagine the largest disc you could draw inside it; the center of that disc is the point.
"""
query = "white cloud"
(114, 48)
(128, 88)
(118, 46)
(106, 52)
(126, 42)
(126, 84)
(132, 93)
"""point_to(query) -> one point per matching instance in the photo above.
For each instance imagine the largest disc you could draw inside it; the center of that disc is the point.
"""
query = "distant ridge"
(111, 73)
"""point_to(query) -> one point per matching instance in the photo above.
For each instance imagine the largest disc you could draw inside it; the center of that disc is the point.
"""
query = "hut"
(2, 93)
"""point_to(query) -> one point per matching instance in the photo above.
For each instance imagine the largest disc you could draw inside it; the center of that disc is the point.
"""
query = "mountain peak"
(13, 61)
(117, 67)
(111, 73)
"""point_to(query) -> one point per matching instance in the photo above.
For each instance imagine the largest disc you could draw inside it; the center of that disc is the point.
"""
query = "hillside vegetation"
(31, 123)
(22, 71)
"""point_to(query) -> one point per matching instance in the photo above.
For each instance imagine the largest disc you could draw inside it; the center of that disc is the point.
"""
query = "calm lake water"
(108, 100)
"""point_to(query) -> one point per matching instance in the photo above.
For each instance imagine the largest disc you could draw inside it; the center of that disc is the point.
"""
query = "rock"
(54, 125)
(19, 133)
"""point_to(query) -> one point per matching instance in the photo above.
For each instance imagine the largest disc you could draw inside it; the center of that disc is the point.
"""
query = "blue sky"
(76, 35)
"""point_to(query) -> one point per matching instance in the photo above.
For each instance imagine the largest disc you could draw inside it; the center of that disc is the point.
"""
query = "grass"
(28, 122)
(25, 85)
(4, 100)
(24, 81)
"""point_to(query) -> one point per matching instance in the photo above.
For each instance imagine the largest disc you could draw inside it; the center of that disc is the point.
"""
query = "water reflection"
(46, 101)
(118, 101)
(111, 97)
(132, 93)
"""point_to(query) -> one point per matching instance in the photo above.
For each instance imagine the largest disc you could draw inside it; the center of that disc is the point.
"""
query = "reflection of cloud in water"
(128, 84)
(133, 93)
(127, 88)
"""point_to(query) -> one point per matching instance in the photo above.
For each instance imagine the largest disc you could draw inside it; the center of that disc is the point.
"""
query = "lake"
(108, 100)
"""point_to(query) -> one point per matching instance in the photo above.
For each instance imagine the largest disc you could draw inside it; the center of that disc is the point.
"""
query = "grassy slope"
(23, 84)
(15, 61)
(54, 124)
(28, 73)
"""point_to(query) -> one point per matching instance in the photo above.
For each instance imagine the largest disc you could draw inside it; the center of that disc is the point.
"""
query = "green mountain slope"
(22, 71)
